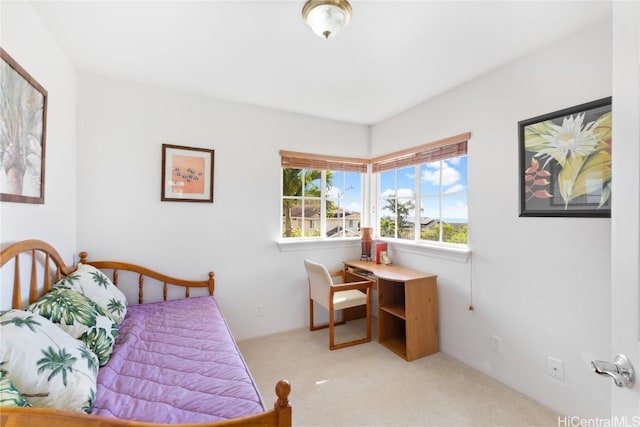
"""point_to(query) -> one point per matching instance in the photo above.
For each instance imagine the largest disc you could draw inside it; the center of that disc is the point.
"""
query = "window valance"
(443, 149)
(295, 160)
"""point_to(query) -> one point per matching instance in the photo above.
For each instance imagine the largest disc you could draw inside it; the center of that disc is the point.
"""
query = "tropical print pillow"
(49, 367)
(9, 395)
(81, 318)
(96, 286)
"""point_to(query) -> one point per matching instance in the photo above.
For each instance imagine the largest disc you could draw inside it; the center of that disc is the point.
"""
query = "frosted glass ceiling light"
(327, 17)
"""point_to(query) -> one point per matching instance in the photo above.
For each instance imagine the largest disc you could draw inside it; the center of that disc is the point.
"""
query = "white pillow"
(49, 367)
(81, 318)
(95, 285)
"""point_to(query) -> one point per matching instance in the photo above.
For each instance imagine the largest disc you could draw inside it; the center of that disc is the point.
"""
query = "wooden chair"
(336, 297)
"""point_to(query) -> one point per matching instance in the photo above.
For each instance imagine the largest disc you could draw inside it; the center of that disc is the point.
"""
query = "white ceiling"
(392, 56)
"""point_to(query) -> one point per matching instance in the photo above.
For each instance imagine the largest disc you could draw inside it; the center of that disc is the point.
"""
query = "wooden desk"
(407, 307)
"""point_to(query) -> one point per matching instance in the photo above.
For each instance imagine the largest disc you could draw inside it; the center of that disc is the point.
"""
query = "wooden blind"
(294, 160)
(438, 150)
(446, 148)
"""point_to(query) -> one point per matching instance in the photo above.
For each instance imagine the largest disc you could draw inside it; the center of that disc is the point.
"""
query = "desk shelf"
(397, 310)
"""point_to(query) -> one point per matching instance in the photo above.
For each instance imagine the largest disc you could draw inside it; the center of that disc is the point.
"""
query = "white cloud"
(405, 192)
(354, 206)
(337, 192)
(454, 189)
(431, 175)
(402, 192)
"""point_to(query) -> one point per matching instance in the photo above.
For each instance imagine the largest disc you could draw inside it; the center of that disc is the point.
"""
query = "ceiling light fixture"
(327, 17)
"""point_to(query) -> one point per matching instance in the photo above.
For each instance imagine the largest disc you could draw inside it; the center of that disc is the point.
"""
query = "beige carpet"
(367, 385)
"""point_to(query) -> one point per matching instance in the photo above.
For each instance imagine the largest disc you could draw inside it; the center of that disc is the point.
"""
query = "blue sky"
(454, 188)
(452, 178)
(347, 185)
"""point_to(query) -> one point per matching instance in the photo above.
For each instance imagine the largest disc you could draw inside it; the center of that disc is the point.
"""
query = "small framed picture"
(187, 174)
(565, 162)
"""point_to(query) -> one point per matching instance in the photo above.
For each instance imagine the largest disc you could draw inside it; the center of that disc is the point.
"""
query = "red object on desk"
(380, 246)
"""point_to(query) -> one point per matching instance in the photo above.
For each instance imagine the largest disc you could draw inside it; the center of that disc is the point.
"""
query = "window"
(321, 196)
(422, 193)
(420, 196)
(397, 204)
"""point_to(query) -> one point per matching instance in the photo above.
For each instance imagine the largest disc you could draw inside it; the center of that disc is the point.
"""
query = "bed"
(170, 362)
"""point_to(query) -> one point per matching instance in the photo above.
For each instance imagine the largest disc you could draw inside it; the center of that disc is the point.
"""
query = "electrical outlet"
(555, 368)
(496, 343)
(258, 310)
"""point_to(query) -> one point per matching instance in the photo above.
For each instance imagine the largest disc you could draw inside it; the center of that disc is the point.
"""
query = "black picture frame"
(565, 162)
(187, 174)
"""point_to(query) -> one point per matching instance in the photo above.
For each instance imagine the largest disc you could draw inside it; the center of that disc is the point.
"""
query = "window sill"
(444, 252)
(302, 244)
(451, 253)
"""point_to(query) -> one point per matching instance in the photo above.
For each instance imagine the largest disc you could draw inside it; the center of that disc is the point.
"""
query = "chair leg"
(332, 325)
(314, 327)
(333, 346)
(332, 328)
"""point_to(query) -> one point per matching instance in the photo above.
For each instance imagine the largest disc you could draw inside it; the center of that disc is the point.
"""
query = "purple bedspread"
(176, 362)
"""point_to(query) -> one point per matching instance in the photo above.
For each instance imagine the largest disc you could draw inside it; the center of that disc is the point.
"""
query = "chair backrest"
(319, 282)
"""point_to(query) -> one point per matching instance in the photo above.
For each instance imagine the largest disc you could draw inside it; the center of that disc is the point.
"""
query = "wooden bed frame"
(42, 255)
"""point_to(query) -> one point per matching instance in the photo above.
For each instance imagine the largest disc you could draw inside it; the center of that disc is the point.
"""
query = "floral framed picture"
(565, 162)
(23, 124)
(187, 174)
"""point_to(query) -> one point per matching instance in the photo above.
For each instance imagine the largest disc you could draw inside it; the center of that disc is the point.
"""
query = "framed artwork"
(187, 174)
(23, 125)
(565, 162)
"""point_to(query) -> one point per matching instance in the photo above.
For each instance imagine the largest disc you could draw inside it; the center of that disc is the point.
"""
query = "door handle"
(620, 370)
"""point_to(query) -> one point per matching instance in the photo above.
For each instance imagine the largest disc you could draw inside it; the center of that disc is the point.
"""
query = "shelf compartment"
(392, 333)
(396, 309)
(396, 345)
(391, 294)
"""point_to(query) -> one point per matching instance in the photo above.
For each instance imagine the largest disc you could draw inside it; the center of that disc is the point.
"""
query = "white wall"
(121, 128)
(25, 38)
(541, 284)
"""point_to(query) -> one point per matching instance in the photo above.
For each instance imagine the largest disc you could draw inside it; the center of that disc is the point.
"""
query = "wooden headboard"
(142, 272)
(42, 257)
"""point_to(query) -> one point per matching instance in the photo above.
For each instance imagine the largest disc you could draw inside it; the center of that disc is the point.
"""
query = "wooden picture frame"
(187, 174)
(565, 162)
(23, 126)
